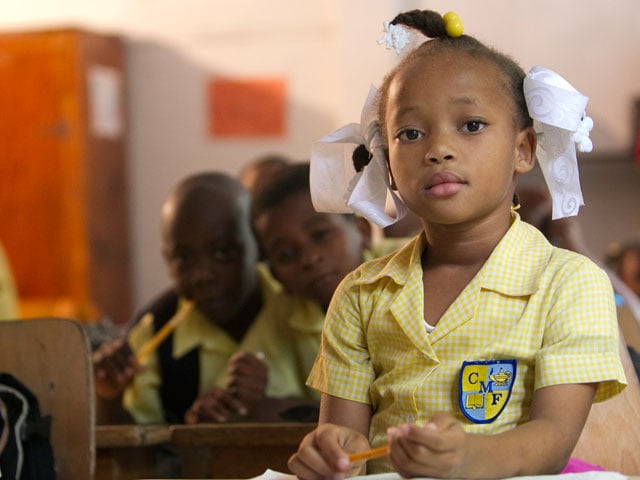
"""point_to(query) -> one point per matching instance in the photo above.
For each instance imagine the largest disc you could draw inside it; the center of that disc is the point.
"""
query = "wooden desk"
(115, 436)
(240, 450)
(128, 451)
(234, 450)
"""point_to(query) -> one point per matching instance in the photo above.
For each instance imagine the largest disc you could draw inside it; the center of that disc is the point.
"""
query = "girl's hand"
(216, 405)
(437, 449)
(247, 378)
(325, 453)
(114, 366)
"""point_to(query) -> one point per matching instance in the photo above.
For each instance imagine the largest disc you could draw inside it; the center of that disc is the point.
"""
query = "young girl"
(477, 349)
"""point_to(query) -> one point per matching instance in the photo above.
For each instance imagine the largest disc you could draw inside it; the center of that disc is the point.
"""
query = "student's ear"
(526, 142)
(364, 227)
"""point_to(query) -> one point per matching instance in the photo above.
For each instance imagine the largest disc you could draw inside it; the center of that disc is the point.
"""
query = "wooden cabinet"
(63, 185)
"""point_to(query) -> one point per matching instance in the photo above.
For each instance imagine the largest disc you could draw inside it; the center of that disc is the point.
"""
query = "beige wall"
(327, 52)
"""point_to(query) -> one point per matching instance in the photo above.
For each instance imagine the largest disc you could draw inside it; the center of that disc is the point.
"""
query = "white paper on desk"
(597, 475)
(273, 475)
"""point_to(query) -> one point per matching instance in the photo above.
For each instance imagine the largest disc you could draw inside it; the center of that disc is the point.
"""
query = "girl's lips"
(445, 183)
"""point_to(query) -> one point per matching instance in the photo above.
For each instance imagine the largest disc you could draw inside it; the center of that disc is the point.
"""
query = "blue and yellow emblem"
(485, 388)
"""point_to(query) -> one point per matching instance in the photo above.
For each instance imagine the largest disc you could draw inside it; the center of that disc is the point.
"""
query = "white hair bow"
(558, 111)
(336, 187)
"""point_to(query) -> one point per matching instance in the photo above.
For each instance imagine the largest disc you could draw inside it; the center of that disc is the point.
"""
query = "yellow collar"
(523, 251)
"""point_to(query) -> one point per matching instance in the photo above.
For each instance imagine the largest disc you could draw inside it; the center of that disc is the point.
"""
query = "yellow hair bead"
(449, 16)
(453, 24)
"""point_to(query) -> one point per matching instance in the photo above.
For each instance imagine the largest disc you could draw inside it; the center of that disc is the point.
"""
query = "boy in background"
(220, 293)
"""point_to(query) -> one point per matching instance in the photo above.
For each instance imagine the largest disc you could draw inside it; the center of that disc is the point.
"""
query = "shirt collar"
(305, 315)
(516, 264)
(523, 252)
(196, 331)
(268, 284)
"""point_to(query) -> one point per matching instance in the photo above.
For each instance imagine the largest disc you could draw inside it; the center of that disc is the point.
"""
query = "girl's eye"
(410, 134)
(473, 126)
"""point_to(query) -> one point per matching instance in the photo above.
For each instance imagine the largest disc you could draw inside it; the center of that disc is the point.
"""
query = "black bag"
(25, 448)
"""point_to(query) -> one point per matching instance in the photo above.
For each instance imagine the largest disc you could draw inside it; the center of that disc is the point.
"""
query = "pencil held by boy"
(171, 362)
(479, 330)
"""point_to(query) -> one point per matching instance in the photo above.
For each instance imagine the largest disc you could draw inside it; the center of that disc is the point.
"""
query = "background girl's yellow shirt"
(550, 310)
(290, 340)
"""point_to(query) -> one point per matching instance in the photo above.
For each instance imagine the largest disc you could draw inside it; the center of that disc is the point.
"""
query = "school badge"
(485, 388)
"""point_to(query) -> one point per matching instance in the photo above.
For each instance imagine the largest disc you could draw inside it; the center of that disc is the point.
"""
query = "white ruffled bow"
(581, 137)
(558, 111)
(337, 187)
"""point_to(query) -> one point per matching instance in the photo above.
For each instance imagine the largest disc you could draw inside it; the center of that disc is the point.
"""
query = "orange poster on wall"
(246, 107)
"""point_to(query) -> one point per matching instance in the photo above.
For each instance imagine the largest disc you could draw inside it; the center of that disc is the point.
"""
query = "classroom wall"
(326, 51)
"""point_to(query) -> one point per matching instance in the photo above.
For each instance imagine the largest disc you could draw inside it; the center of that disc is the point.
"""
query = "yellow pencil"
(149, 347)
(368, 454)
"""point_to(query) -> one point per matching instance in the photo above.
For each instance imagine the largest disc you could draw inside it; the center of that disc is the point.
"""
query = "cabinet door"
(47, 187)
(42, 219)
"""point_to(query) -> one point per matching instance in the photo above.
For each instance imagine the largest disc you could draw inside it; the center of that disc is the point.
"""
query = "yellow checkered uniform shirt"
(549, 309)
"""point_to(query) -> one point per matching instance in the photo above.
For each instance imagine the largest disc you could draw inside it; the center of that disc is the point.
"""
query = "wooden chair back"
(611, 436)
(52, 357)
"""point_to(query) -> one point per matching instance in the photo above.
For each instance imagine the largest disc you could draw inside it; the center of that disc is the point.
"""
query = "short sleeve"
(581, 341)
(343, 367)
